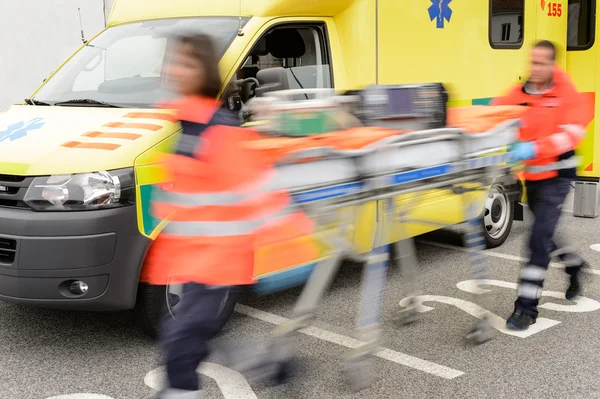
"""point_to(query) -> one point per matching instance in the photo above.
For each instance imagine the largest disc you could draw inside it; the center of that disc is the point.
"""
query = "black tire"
(498, 214)
(148, 311)
(151, 306)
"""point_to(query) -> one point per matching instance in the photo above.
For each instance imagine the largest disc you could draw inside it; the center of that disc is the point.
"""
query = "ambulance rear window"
(582, 22)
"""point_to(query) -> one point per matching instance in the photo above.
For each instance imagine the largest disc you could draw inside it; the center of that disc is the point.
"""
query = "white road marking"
(477, 311)
(81, 396)
(348, 342)
(502, 256)
(232, 384)
(595, 247)
(582, 304)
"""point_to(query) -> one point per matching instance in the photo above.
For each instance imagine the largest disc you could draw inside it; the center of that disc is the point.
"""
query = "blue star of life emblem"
(440, 11)
(20, 129)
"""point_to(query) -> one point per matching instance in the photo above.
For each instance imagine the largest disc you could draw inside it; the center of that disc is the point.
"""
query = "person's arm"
(571, 129)
(510, 97)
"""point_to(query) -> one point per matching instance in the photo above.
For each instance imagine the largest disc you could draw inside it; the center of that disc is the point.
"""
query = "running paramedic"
(552, 127)
(221, 206)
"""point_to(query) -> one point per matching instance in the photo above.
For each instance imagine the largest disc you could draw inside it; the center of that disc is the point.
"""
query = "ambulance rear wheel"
(498, 215)
(155, 302)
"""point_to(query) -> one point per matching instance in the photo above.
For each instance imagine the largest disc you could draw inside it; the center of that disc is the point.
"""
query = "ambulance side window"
(287, 57)
(506, 24)
(582, 22)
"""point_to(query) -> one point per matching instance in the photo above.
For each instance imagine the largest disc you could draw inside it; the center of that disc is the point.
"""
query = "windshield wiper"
(87, 101)
(31, 101)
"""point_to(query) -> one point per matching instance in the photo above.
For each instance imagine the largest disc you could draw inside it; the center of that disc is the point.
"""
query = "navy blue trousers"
(545, 199)
(185, 336)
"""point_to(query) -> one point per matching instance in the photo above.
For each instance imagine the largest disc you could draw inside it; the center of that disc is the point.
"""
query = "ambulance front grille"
(12, 190)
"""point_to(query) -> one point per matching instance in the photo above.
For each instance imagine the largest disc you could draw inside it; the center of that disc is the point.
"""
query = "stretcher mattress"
(334, 162)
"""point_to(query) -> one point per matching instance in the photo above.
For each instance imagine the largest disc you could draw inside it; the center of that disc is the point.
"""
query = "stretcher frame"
(471, 168)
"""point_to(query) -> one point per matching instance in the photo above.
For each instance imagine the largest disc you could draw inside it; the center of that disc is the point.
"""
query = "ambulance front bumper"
(43, 253)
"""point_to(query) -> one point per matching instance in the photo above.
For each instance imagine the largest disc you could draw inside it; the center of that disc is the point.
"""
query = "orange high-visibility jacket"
(555, 122)
(219, 205)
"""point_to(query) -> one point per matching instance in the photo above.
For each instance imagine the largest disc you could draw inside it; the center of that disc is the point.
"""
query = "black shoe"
(519, 321)
(574, 289)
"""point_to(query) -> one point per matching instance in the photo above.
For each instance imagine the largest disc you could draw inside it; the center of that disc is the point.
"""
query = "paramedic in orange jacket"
(552, 127)
(219, 203)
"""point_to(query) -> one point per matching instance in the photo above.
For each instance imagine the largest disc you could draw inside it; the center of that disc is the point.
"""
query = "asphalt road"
(71, 355)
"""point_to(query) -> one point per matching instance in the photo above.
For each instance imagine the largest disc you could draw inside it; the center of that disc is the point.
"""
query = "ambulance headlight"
(82, 192)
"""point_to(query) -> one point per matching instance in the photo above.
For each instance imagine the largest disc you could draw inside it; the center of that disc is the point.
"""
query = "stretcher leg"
(369, 331)
(407, 258)
(475, 242)
(275, 362)
(408, 261)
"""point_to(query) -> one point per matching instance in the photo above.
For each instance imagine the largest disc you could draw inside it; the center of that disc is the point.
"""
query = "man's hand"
(524, 151)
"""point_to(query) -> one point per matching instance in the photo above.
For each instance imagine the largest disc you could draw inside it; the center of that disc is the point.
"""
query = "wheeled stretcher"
(332, 172)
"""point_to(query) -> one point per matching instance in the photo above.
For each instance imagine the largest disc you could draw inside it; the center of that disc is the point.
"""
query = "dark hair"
(200, 46)
(548, 45)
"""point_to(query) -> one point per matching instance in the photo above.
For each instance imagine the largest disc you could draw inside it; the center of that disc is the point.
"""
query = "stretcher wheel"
(281, 361)
(282, 372)
(359, 373)
(407, 315)
(482, 332)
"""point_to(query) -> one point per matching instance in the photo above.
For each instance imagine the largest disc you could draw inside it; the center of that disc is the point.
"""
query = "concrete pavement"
(48, 353)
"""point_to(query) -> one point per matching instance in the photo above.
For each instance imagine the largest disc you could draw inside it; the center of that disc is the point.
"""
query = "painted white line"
(477, 311)
(502, 256)
(348, 342)
(595, 247)
(582, 304)
(81, 396)
(231, 383)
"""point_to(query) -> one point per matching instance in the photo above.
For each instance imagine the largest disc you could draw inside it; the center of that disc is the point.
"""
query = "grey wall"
(36, 36)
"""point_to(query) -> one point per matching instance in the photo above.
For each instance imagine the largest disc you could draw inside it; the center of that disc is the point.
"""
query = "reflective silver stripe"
(198, 200)
(533, 273)
(572, 162)
(575, 130)
(258, 186)
(530, 291)
(222, 229)
(562, 251)
(378, 258)
(562, 141)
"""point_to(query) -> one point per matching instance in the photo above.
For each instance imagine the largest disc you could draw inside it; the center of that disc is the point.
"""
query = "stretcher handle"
(506, 125)
(418, 137)
(308, 153)
(323, 152)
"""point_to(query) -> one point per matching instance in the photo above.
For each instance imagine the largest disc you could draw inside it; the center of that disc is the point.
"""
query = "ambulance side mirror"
(234, 103)
(232, 97)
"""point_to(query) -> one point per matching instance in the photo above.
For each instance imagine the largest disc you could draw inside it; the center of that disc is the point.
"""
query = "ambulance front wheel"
(498, 215)
(155, 302)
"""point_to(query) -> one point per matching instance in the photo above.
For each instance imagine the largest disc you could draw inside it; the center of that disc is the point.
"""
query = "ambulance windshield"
(124, 65)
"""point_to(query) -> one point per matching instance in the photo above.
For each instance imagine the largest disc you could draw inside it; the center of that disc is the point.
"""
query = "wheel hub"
(496, 211)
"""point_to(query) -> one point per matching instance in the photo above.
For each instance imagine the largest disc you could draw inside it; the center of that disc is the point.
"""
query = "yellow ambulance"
(75, 159)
